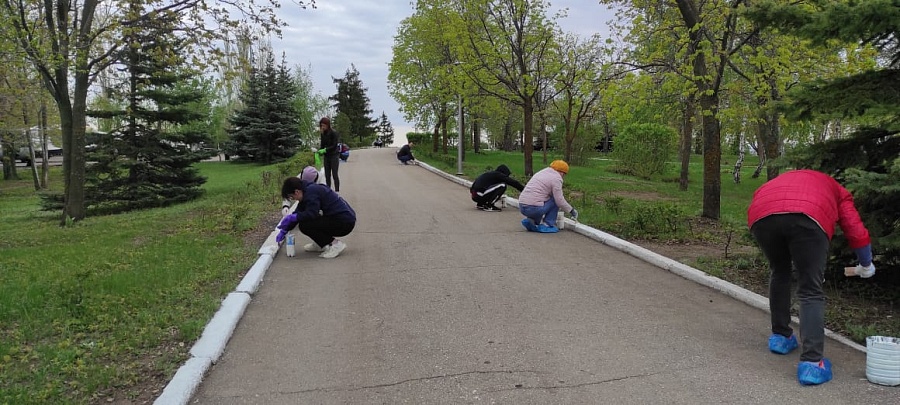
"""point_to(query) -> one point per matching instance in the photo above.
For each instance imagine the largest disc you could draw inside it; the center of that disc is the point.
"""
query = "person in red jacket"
(792, 217)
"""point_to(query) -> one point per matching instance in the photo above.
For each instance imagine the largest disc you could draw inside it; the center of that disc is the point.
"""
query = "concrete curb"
(665, 263)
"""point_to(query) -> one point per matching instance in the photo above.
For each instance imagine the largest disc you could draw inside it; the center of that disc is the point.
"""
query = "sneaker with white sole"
(333, 250)
(312, 247)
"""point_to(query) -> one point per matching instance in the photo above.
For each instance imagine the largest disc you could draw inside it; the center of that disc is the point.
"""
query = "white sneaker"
(333, 250)
(312, 247)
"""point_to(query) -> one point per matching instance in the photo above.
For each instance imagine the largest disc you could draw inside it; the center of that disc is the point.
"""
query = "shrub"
(643, 149)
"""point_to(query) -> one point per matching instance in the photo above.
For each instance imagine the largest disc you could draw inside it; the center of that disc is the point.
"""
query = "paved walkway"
(434, 302)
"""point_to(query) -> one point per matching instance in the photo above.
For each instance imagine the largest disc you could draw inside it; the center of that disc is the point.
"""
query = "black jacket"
(488, 179)
(329, 141)
(405, 150)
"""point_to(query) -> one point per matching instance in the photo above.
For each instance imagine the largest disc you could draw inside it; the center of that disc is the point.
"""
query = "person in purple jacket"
(321, 214)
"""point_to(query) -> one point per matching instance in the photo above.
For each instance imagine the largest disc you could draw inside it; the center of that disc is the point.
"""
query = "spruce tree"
(868, 161)
(265, 130)
(385, 131)
(148, 160)
(351, 102)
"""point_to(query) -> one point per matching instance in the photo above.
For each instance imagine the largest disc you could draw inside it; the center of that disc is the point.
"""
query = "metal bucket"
(883, 360)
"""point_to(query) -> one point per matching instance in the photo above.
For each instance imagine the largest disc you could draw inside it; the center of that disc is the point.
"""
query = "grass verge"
(105, 310)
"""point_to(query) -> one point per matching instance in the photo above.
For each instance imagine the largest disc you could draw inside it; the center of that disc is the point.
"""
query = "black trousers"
(794, 242)
(331, 170)
(489, 196)
(323, 230)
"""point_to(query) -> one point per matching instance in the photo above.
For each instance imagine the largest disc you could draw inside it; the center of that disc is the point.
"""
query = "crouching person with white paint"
(321, 214)
(488, 188)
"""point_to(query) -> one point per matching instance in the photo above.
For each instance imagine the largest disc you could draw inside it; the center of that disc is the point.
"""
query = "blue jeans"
(546, 213)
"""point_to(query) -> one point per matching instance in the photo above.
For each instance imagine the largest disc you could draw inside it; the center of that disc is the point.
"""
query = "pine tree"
(148, 161)
(352, 102)
(385, 131)
(868, 161)
(265, 130)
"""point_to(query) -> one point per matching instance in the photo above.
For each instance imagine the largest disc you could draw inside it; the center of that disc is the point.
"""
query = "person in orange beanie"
(542, 198)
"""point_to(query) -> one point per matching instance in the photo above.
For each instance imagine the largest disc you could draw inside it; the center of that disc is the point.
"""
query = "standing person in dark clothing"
(331, 153)
(404, 155)
(792, 217)
(321, 214)
(487, 189)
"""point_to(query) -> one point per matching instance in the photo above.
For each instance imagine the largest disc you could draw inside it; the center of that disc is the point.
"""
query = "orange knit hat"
(560, 166)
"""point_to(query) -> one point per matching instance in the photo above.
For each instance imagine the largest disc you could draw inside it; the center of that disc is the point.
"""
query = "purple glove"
(288, 222)
(281, 234)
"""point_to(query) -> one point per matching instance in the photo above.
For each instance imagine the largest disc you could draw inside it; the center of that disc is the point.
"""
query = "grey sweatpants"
(796, 241)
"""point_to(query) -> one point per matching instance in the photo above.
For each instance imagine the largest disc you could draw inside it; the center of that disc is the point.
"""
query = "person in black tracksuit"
(328, 142)
(487, 189)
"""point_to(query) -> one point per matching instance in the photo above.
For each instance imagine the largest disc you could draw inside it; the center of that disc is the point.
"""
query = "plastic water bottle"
(503, 201)
(289, 245)
(560, 220)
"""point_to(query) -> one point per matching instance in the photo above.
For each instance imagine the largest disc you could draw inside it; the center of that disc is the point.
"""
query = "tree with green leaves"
(580, 84)
(421, 74)
(352, 105)
(309, 106)
(505, 51)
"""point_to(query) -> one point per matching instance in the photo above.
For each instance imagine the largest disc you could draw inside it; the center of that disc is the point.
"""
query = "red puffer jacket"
(812, 193)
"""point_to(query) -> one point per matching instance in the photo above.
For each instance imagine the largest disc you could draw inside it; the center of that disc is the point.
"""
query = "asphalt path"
(434, 302)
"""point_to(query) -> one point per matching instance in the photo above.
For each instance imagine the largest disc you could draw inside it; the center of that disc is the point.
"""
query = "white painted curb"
(186, 380)
(741, 294)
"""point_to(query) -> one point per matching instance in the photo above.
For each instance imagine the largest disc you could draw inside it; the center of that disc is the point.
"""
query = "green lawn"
(92, 310)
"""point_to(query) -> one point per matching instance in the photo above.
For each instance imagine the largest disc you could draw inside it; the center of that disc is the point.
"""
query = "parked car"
(24, 156)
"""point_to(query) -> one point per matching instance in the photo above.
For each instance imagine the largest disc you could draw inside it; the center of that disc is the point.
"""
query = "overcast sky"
(338, 33)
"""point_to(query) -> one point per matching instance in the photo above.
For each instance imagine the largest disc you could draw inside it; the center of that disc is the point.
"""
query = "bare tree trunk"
(435, 143)
(445, 143)
(476, 140)
(709, 104)
(687, 139)
(736, 173)
(45, 167)
(527, 142)
(544, 136)
(462, 134)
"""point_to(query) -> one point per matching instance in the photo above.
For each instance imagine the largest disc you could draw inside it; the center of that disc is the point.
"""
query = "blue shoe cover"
(782, 345)
(814, 373)
(529, 226)
(547, 229)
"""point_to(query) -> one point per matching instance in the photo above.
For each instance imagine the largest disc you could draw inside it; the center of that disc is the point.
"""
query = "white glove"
(865, 271)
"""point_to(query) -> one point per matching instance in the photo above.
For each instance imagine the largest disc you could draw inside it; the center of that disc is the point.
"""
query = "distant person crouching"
(404, 155)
